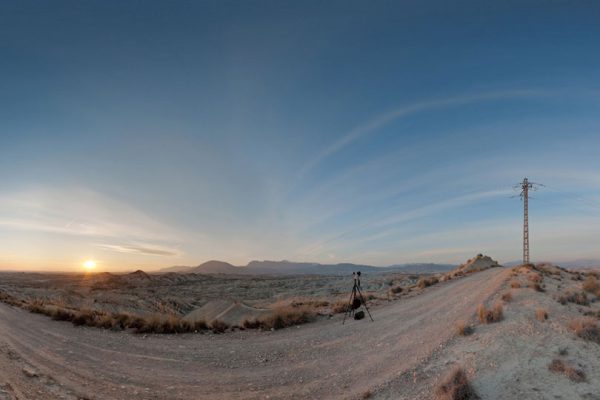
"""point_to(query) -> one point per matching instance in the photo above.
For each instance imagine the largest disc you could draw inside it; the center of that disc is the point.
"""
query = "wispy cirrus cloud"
(386, 118)
(144, 249)
(79, 212)
(388, 225)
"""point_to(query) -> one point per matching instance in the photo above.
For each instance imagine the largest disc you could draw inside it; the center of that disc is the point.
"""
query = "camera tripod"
(356, 299)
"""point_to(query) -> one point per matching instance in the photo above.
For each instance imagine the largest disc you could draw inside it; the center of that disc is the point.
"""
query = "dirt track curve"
(45, 359)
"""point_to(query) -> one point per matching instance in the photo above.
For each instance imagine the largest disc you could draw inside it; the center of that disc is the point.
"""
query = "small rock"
(30, 372)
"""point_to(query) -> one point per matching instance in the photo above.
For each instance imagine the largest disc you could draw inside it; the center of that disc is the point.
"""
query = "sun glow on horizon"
(89, 265)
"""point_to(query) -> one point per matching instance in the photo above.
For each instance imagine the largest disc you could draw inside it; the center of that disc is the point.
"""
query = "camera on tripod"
(356, 300)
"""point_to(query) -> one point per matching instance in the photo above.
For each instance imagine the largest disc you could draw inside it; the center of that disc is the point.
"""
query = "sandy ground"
(402, 355)
(41, 358)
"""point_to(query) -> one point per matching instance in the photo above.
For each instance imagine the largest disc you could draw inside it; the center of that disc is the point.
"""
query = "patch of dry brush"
(573, 297)
(455, 386)
(282, 317)
(586, 328)
(490, 315)
(156, 323)
(591, 285)
(541, 314)
(425, 282)
(463, 328)
(561, 367)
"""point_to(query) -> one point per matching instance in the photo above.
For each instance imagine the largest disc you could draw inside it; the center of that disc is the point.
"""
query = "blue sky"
(147, 134)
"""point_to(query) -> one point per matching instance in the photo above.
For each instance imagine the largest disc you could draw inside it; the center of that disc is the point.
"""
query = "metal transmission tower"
(525, 187)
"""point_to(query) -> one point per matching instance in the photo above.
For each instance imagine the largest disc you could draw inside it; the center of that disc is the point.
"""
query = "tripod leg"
(347, 312)
(365, 304)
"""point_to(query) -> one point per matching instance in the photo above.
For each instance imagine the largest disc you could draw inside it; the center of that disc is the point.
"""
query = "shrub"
(395, 289)
(541, 314)
(463, 328)
(536, 286)
(425, 282)
(536, 278)
(84, 317)
(251, 323)
(561, 367)
(586, 328)
(200, 326)
(574, 297)
(61, 314)
(10, 299)
(487, 316)
(591, 285)
(455, 386)
(283, 317)
(507, 296)
(340, 307)
(366, 395)
(515, 284)
(218, 326)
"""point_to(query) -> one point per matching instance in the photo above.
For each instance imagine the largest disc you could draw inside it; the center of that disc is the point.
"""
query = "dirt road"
(45, 359)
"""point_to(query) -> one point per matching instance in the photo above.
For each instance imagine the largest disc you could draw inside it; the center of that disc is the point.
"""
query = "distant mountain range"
(304, 268)
(572, 264)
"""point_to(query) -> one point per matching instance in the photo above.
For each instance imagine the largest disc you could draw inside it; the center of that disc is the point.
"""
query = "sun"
(89, 265)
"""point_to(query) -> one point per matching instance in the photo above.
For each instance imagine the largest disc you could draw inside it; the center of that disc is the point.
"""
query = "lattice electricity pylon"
(525, 187)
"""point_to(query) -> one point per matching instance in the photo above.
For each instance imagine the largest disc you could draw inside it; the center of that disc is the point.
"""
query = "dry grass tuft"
(366, 395)
(561, 367)
(218, 326)
(340, 307)
(591, 285)
(541, 314)
(488, 316)
(535, 277)
(507, 296)
(536, 286)
(455, 386)
(586, 328)
(515, 284)
(395, 289)
(574, 297)
(287, 316)
(463, 328)
(425, 282)
(10, 299)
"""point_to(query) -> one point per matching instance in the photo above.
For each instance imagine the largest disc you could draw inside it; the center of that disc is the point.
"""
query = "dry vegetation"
(425, 282)
(561, 367)
(283, 317)
(573, 297)
(463, 328)
(586, 328)
(541, 314)
(515, 284)
(488, 316)
(507, 296)
(591, 285)
(455, 386)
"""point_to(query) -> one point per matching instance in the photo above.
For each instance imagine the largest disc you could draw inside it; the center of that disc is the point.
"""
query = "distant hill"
(285, 267)
(572, 264)
(301, 268)
(422, 268)
(177, 268)
(216, 267)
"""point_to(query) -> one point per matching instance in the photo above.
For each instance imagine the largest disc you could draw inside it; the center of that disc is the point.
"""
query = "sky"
(147, 134)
